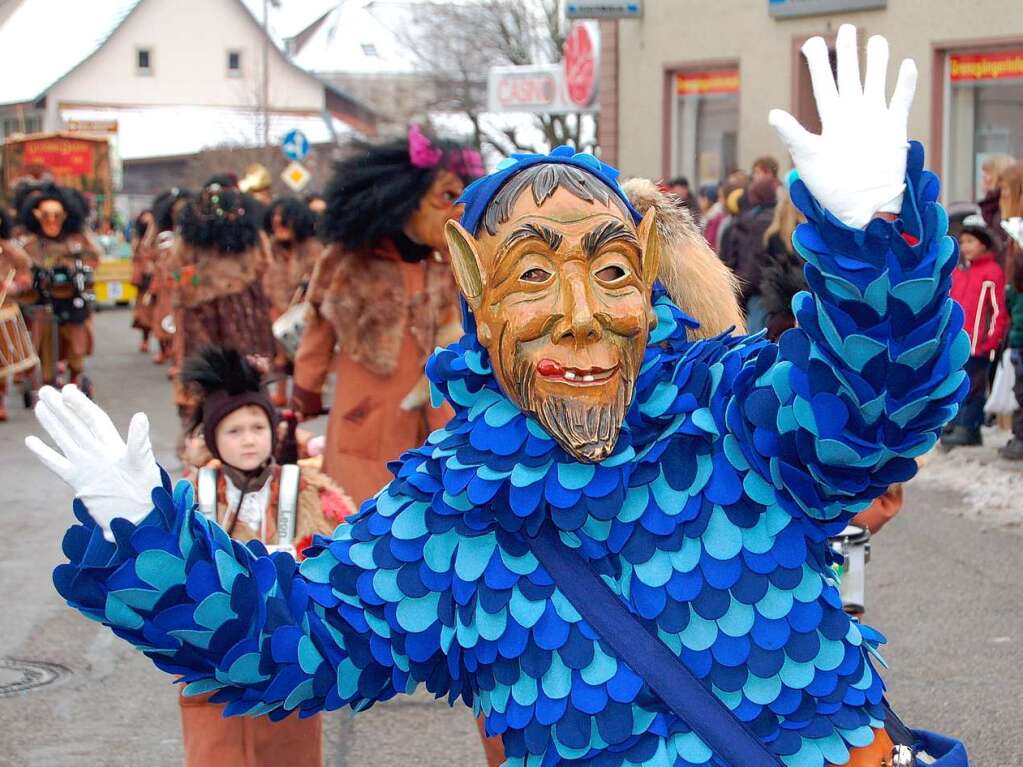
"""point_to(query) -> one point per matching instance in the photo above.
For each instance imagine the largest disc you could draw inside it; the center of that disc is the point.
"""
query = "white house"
(173, 77)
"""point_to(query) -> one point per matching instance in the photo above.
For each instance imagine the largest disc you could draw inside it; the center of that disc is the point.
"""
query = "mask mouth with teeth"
(558, 279)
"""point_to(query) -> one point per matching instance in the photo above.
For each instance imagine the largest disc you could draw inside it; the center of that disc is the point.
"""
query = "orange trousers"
(213, 740)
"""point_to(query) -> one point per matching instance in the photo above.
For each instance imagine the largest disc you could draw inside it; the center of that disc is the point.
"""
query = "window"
(983, 116)
(706, 122)
(143, 61)
(369, 49)
(234, 63)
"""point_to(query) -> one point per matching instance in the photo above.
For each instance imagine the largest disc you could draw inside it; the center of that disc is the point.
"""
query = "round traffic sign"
(295, 145)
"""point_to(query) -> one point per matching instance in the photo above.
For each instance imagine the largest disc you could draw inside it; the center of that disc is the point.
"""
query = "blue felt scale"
(736, 459)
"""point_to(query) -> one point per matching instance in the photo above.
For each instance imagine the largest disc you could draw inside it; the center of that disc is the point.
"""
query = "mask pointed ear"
(465, 263)
(651, 243)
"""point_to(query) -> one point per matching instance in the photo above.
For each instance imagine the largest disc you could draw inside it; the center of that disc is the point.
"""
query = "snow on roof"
(362, 37)
(168, 131)
(289, 17)
(43, 40)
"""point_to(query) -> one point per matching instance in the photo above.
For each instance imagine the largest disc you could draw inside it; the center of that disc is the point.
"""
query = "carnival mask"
(50, 215)
(559, 282)
(426, 224)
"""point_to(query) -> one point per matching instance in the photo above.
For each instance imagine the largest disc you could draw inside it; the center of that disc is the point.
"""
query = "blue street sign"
(295, 145)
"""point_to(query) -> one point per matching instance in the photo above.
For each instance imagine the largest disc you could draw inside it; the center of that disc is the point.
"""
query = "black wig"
(71, 200)
(6, 224)
(218, 369)
(222, 219)
(372, 193)
(140, 225)
(163, 207)
(294, 214)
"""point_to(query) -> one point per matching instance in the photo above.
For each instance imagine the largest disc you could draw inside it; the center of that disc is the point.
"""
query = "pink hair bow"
(421, 151)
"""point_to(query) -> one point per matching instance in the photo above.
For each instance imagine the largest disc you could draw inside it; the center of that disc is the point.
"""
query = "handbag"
(289, 327)
(716, 725)
(1002, 400)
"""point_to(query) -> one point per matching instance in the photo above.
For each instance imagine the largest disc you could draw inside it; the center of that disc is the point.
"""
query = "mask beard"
(585, 431)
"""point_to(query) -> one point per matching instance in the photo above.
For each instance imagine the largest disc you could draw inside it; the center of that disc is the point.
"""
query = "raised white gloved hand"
(1014, 228)
(111, 478)
(857, 166)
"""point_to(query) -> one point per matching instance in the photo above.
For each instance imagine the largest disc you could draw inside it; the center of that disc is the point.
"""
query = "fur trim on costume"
(697, 281)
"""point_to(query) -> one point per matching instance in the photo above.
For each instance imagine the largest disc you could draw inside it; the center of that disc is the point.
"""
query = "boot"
(1013, 450)
(961, 436)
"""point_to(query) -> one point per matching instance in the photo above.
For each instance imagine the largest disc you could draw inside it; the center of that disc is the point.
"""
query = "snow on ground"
(992, 488)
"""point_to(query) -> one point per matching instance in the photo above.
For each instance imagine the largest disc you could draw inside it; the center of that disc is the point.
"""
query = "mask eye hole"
(611, 274)
(535, 275)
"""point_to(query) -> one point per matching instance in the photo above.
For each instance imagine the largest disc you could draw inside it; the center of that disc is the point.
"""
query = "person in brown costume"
(15, 278)
(62, 251)
(160, 240)
(217, 267)
(383, 294)
(142, 263)
(294, 250)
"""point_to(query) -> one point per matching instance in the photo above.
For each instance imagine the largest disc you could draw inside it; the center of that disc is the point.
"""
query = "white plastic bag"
(1002, 401)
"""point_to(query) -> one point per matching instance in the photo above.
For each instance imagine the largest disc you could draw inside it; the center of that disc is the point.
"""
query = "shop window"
(984, 116)
(706, 123)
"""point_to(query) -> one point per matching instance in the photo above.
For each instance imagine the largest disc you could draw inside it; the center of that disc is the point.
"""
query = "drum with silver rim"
(853, 543)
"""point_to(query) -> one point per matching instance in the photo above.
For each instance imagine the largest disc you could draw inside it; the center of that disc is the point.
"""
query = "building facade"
(694, 81)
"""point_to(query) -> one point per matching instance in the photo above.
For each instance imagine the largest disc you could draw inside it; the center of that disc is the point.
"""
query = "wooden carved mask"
(559, 282)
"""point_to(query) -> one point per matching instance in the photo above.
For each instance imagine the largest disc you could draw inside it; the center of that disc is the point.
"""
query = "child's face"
(244, 438)
(970, 247)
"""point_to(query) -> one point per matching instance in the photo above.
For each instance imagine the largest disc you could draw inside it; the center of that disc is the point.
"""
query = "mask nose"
(579, 322)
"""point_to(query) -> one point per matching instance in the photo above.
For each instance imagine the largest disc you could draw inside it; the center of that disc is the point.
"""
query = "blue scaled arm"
(842, 406)
(265, 637)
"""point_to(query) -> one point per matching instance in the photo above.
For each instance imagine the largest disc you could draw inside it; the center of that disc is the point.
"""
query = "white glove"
(111, 478)
(857, 166)
(1014, 228)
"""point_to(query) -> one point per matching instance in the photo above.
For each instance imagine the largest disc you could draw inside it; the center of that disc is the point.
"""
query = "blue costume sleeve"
(265, 637)
(842, 406)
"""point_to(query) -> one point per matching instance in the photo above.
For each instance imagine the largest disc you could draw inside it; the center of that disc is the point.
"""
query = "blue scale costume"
(736, 460)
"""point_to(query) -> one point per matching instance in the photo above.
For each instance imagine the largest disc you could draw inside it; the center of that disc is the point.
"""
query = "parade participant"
(978, 285)
(616, 549)
(63, 251)
(142, 265)
(382, 293)
(15, 278)
(251, 498)
(160, 241)
(217, 265)
(294, 250)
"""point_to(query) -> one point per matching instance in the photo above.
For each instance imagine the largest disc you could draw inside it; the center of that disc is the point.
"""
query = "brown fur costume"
(697, 281)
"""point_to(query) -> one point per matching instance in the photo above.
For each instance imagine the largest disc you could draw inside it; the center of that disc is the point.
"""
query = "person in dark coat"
(743, 250)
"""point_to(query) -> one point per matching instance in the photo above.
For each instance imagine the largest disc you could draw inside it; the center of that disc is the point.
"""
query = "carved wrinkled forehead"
(543, 181)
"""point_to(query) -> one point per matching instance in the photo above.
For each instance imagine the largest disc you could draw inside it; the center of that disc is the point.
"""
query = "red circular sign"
(580, 66)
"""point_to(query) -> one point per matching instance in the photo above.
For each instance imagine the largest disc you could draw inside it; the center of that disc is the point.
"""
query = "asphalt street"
(942, 587)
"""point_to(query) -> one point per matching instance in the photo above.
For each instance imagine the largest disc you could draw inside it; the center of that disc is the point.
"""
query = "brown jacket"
(288, 268)
(385, 316)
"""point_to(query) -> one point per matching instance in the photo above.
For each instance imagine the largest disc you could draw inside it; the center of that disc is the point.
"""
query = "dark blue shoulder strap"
(663, 672)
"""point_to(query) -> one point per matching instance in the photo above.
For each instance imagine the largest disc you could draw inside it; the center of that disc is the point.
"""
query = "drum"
(16, 351)
(853, 543)
(288, 328)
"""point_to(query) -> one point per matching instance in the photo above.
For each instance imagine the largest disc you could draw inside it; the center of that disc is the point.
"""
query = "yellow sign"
(296, 176)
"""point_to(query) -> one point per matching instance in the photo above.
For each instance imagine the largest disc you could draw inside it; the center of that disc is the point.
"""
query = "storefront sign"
(976, 67)
(706, 82)
(603, 9)
(62, 157)
(788, 8)
(92, 126)
(567, 87)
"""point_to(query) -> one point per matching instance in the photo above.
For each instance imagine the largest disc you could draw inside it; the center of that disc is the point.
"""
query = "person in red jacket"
(978, 285)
